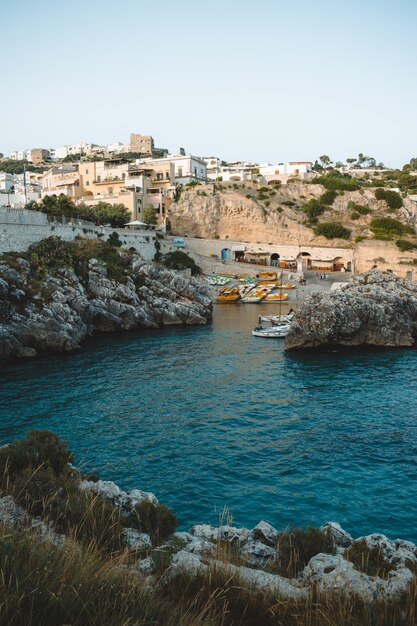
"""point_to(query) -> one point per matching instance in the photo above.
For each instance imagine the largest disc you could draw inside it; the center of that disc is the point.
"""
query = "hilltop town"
(353, 216)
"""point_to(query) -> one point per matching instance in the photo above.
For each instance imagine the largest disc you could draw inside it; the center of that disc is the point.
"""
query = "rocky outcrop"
(56, 313)
(376, 308)
(243, 212)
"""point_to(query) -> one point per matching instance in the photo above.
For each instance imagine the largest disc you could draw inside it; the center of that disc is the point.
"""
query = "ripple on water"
(207, 417)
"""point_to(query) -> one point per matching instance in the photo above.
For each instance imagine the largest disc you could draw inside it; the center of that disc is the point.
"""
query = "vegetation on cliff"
(117, 215)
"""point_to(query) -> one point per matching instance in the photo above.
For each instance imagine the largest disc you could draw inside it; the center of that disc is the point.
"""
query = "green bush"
(368, 560)
(328, 197)
(288, 203)
(354, 215)
(297, 546)
(389, 225)
(405, 245)
(359, 238)
(155, 519)
(179, 260)
(332, 230)
(41, 447)
(335, 181)
(381, 236)
(114, 240)
(392, 198)
(48, 255)
(313, 208)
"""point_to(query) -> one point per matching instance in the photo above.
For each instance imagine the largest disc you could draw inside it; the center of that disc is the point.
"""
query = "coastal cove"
(210, 416)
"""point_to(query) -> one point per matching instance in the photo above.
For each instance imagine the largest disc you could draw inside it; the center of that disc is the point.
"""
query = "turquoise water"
(207, 417)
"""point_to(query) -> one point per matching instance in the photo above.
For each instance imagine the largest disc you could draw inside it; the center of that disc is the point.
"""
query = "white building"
(6, 182)
(20, 155)
(187, 168)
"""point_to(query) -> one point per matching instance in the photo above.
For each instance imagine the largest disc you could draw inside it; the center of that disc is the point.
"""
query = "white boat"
(277, 318)
(276, 332)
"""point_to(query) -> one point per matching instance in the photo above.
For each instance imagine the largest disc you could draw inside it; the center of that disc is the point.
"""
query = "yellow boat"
(230, 294)
(268, 275)
(257, 293)
(287, 286)
(276, 297)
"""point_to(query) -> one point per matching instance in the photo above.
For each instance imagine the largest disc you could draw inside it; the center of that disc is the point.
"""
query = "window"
(180, 171)
(167, 175)
(86, 171)
(110, 190)
(98, 179)
(88, 183)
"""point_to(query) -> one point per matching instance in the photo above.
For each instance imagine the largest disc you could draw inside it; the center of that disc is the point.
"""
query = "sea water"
(211, 417)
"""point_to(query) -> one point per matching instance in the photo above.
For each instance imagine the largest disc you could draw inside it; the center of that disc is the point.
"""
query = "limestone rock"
(258, 553)
(340, 538)
(377, 309)
(66, 309)
(265, 533)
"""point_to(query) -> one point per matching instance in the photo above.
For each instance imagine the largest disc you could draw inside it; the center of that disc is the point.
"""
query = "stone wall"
(18, 237)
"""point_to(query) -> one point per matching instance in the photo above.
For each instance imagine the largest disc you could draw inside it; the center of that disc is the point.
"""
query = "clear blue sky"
(264, 80)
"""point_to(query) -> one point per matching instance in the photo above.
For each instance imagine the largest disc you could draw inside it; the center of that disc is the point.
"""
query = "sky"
(266, 80)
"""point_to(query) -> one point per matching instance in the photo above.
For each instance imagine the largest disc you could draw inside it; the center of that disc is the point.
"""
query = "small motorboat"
(257, 293)
(275, 332)
(278, 318)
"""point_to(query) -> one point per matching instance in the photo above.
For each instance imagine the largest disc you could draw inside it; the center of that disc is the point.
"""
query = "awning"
(239, 247)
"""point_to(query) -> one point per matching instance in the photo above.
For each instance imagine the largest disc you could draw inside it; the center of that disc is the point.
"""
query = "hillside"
(282, 214)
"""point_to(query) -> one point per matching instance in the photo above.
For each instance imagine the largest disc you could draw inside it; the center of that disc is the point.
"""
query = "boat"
(267, 275)
(276, 297)
(279, 331)
(257, 294)
(244, 289)
(287, 286)
(277, 318)
(229, 294)
(219, 280)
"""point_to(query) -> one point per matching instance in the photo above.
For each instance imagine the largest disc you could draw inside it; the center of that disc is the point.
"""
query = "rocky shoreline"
(56, 310)
(255, 552)
(375, 309)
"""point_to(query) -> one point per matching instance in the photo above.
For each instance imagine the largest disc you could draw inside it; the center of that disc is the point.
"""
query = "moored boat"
(276, 297)
(257, 294)
(278, 332)
(229, 294)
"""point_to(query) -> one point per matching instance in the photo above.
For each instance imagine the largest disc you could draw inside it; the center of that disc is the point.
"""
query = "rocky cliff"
(254, 213)
(53, 306)
(377, 309)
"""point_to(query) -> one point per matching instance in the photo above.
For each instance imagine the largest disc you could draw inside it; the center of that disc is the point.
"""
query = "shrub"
(41, 447)
(335, 181)
(405, 245)
(388, 225)
(155, 519)
(248, 195)
(313, 208)
(392, 198)
(288, 203)
(267, 203)
(368, 560)
(114, 240)
(328, 197)
(359, 238)
(380, 236)
(49, 254)
(179, 260)
(297, 546)
(332, 230)
(354, 215)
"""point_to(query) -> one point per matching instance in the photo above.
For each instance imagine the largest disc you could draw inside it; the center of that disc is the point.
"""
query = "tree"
(149, 214)
(351, 160)
(413, 163)
(325, 160)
